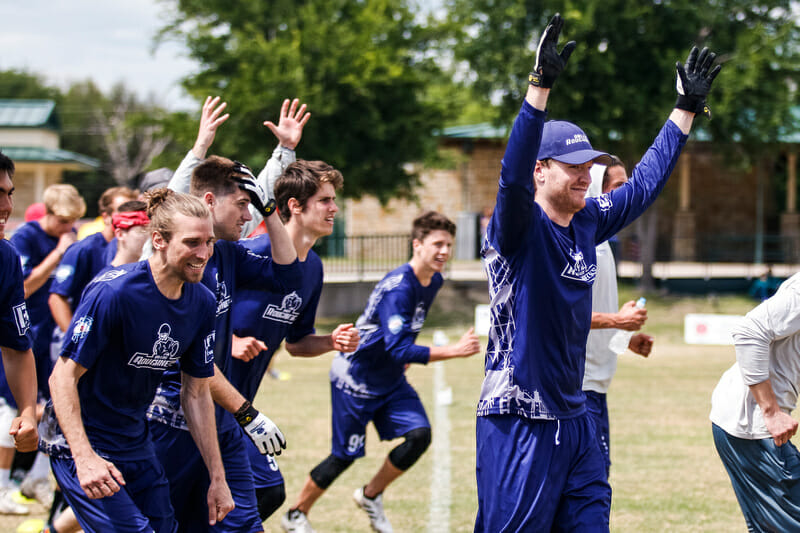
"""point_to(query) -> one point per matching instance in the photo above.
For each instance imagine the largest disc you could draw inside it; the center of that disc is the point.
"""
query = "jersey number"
(355, 443)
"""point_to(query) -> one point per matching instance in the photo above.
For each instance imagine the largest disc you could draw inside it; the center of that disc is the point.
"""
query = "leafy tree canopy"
(361, 66)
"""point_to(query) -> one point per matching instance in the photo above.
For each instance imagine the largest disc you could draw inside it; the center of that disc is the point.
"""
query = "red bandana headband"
(128, 219)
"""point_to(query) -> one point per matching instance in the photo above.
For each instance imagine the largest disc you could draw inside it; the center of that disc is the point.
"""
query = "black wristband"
(245, 414)
(693, 105)
(269, 208)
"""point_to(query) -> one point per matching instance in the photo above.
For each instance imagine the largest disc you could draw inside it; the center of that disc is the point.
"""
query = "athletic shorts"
(765, 478)
(597, 407)
(540, 475)
(141, 505)
(189, 481)
(7, 416)
(265, 468)
(393, 415)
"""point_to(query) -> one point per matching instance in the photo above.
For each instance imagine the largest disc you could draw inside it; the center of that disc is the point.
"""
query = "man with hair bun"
(95, 430)
(369, 383)
(229, 189)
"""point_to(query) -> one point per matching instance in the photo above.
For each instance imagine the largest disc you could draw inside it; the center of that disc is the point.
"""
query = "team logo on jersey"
(164, 354)
(108, 276)
(64, 272)
(604, 202)
(395, 324)
(287, 312)
(21, 318)
(223, 298)
(82, 328)
(578, 269)
(208, 343)
(419, 317)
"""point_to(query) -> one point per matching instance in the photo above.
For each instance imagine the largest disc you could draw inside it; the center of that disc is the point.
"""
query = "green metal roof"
(28, 114)
(484, 130)
(36, 154)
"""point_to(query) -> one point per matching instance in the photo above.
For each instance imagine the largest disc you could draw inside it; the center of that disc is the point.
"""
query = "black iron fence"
(363, 256)
(717, 248)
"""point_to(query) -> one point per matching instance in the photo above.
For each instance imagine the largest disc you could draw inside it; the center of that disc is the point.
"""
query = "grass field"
(665, 475)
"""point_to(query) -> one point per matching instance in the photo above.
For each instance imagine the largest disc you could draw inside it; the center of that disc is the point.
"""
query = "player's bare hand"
(210, 119)
(290, 126)
(641, 344)
(781, 426)
(26, 437)
(345, 338)
(220, 501)
(468, 344)
(246, 348)
(98, 478)
(630, 317)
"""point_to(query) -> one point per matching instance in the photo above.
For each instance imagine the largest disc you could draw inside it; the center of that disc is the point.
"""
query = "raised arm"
(515, 195)
(288, 131)
(211, 118)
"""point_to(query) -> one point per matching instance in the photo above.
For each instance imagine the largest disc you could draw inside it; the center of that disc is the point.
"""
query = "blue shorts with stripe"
(141, 506)
(540, 475)
(597, 407)
(765, 478)
(393, 415)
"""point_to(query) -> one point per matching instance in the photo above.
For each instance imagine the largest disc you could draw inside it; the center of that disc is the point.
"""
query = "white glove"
(266, 435)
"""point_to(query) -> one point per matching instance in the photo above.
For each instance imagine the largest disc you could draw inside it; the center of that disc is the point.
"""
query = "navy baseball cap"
(567, 143)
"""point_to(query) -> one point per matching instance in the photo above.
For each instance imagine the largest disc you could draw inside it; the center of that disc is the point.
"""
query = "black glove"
(549, 63)
(694, 81)
(247, 182)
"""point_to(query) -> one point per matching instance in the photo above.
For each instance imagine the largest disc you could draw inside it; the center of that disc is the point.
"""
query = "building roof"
(36, 154)
(28, 114)
(483, 130)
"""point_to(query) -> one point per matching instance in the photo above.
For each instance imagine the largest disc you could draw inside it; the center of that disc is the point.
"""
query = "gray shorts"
(765, 478)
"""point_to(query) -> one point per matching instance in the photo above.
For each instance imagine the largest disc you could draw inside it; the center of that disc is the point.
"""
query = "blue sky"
(105, 40)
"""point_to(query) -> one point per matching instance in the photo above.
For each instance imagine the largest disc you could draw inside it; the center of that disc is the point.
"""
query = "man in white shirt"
(751, 412)
(601, 361)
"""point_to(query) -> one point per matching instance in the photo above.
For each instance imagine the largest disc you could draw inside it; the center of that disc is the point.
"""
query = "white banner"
(709, 329)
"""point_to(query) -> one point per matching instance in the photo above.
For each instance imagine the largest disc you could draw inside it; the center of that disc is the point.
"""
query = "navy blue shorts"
(141, 505)
(540, 475)
(189, 481)
(765, 478)
(266, 472)
(393, 415)
(597, 407)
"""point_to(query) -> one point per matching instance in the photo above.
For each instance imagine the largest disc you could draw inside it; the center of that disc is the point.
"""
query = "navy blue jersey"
(126, 333)
(232, 266)
(272, 317)
(33, 245)
(541, 275)
(388, 328)
(82, 261)
(14, 319)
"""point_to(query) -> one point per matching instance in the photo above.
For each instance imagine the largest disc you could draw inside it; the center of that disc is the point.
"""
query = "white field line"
(439, 520)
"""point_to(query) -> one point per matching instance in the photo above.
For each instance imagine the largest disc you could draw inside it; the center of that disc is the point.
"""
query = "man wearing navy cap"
(539, 467)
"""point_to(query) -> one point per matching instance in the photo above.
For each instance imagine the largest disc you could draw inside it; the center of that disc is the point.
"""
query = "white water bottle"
(619, 342)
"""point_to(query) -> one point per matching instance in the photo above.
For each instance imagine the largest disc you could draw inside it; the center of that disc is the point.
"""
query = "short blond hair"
(63, 200)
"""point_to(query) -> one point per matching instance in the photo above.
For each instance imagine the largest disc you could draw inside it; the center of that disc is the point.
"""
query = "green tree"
(619, 85)
(360, 66)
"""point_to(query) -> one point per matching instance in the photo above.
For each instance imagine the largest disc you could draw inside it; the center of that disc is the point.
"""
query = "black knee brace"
(328, 470)
(269, 499)
(407, 453)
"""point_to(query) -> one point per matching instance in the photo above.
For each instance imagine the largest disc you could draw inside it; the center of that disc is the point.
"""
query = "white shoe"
(39, 489)
(374, 509)
(8, 505)
(296, 521)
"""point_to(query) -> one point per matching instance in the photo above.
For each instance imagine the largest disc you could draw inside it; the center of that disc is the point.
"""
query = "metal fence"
(363, 256)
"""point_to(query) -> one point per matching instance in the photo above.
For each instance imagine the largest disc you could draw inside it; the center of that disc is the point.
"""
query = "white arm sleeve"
(775, 318)
(281, 158)
(182, 179)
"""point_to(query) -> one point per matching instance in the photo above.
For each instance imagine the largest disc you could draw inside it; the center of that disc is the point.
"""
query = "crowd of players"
(146, 370)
